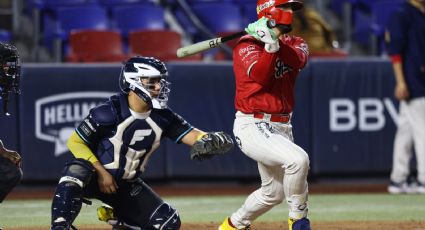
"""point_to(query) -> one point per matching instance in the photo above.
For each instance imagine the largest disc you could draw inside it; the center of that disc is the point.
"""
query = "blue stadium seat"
(219, 17)
(243, 2)
(81, 17)
(381, 12)
(369, 24)
(361, 27)
(65, 19)
(229, 21)
(249, 13)
(50, 4)
(112, 3)
(137, 17)
(5, 36)
(185, 22)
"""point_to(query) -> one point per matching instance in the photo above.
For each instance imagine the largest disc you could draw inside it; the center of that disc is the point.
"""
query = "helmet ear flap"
(280, 16)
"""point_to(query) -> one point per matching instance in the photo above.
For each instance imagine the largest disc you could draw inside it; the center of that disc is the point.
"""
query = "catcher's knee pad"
(165, 217)
(68, 196)
(78, 171)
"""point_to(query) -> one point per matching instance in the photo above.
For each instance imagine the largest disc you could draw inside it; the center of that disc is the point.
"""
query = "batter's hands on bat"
(401, 91)
(211, 144)
(262, 32)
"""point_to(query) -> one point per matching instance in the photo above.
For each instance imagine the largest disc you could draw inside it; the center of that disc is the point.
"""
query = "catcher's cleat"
(227, 225)
(301, 224)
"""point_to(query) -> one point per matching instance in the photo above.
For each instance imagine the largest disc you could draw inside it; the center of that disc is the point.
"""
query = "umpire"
(10, 161)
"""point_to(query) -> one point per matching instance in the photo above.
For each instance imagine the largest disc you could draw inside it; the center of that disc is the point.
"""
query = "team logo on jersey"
(56, 116)
(280, 69)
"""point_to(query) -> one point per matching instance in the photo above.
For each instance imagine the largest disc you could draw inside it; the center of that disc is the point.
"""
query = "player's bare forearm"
(398, 73)
(193, 136)
(105, 180)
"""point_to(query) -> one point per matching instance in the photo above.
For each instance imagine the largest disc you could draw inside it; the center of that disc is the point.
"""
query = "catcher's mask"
(272, 9)
(10, 73)
(143, 75)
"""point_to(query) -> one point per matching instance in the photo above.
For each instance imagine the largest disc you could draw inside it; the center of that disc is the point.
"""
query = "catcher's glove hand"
(211, 144)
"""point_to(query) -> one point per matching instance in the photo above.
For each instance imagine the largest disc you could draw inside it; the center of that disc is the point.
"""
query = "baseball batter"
(113, 145)
(10, 161)
(405, 36)
(266, 65)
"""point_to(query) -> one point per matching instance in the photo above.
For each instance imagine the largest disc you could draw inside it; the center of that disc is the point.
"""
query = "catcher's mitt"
(211, 144)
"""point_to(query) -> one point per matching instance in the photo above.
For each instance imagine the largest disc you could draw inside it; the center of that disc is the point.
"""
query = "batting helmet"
(269, 9)
(141, 75)
(10, 72)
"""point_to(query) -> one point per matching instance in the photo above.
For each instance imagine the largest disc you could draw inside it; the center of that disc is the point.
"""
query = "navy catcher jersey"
(122, 142)
(407, 38)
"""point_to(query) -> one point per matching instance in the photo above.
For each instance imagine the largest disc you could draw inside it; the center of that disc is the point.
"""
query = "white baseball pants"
(283, 168)
(410, 132)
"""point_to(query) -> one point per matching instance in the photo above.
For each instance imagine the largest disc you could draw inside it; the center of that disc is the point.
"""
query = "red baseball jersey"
(265, 81)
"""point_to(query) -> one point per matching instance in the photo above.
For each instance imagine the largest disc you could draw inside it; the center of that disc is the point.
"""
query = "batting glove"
(262, 32)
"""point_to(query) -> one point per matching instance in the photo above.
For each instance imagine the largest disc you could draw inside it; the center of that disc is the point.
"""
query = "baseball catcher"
(113, 144)
(10, 171)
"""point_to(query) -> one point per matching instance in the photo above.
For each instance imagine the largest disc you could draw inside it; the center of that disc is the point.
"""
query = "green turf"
(364, 207)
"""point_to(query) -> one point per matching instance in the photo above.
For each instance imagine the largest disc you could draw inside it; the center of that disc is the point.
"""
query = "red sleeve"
(258, 64)
(396, 58)
(294, 51)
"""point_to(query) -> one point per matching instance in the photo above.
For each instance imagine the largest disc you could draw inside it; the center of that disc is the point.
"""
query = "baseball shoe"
(420, 188)
(227, 225)
(301, 224)
(400, 188)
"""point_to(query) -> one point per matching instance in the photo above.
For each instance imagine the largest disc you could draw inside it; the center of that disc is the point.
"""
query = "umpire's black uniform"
(10, 175)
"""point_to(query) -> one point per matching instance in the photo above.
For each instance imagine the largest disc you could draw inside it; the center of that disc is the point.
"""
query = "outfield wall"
(344, 116)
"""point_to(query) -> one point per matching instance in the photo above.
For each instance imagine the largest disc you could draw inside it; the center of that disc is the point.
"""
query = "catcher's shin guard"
(301, 224)
(68, 197)
(66, 205)
(165, 217)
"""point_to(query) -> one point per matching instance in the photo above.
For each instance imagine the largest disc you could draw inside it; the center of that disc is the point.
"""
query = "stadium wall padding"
(344, 116)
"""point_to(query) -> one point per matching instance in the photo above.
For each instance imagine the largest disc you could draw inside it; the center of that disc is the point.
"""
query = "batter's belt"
(281, 118)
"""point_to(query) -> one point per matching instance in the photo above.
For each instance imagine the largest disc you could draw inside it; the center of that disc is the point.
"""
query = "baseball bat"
(207, 44)
(214, 42)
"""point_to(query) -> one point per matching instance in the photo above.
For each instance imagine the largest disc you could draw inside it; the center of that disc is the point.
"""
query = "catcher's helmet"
(10, 72)
(141, 75)
(269, 9)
